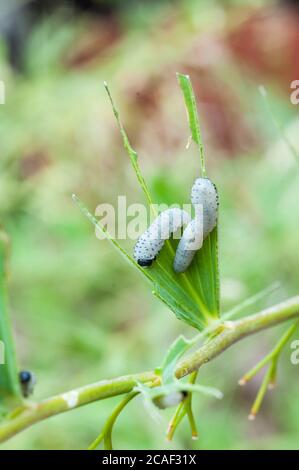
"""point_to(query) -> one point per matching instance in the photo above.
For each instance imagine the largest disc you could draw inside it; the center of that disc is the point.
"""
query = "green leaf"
(174, 353)
(170, 385)
(10, 393)
(131, 152)
(152, 395)
(169, 382)
(210, 391)
(148, 395)
(190, 102)
(193, 296)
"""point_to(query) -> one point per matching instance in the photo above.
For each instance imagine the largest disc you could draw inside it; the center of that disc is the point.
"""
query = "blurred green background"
(82, 314)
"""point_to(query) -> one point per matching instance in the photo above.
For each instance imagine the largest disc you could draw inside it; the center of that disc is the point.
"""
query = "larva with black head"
(27, 381)
(204, 193)
(204, 197)
(151, 242)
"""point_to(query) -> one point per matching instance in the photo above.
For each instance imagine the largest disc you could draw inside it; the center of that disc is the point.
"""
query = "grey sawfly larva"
(150, 243)
(190, 242)
(203, 197)
(204, 193)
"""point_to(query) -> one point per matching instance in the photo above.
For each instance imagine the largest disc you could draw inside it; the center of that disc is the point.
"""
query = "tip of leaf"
(262, 90)
(169, 433)
(182, 75)
(251, 417)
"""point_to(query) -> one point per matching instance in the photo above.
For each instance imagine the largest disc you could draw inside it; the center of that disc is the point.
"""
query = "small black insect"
(27, 381)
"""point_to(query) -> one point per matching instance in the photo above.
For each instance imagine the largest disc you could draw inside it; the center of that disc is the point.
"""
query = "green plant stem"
(269, 379)
(236, 330)
(271, 356)
(106, 433)
(233, 332)
(262, 363)
(273, 374)
(188, 406)
(192, 422)
(261, 393)
(185, 407)
(175, 420)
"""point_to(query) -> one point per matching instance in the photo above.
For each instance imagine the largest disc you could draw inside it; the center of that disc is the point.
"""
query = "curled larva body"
(150, 243)
(204, 194)
(191, 241)
(204, 198)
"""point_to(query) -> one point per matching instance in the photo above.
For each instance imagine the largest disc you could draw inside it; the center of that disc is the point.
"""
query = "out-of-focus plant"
(193, 297)
(10, 392)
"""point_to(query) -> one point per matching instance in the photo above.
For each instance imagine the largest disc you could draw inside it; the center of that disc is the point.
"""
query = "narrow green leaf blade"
(174, 353)
(190, 102)
(193, 296)
(10, 393)
(204, 270)
(129, 149)
(178, 292)
(204, 389)
(102, 229)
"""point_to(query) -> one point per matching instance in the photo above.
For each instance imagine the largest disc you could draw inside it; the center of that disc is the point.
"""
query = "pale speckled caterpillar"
(191, 241)
(150, 243)
(203, 195)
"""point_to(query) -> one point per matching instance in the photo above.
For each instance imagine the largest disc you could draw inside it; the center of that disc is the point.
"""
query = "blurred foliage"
(80, 313)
